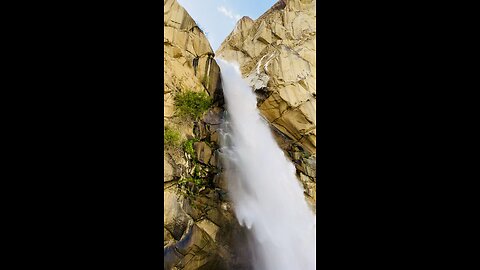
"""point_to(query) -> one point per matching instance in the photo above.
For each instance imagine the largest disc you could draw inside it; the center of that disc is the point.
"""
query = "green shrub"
(171, 136)
(192, 104)
(192, 185)
(188, 147)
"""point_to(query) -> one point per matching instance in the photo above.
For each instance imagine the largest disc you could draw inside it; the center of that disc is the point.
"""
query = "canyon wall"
(199, 226)
(276, 54)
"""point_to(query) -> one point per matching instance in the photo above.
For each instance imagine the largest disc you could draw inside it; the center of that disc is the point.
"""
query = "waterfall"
(267, 197)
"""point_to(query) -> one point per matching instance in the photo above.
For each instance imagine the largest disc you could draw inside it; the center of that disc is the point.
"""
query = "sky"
(217, 18)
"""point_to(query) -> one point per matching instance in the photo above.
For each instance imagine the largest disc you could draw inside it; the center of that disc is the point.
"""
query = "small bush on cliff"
(188, 147)
(171, 137)
(192, 104)
(192, 186)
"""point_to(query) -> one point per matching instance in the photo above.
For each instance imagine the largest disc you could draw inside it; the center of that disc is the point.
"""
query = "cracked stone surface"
(276, 54)
(199, 226)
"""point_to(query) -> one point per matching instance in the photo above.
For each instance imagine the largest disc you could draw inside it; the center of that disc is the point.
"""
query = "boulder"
(168, 171)
(203, 152)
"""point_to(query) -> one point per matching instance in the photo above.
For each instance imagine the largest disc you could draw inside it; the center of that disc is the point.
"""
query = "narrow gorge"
(239, 182)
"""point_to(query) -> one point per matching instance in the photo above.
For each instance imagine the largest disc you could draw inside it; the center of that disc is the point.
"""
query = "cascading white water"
(267, 198)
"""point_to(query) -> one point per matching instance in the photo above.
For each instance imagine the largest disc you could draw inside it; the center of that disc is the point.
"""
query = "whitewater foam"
(267, 197)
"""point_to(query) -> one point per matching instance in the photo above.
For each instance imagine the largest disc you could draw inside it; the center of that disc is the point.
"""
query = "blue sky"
(217, 18)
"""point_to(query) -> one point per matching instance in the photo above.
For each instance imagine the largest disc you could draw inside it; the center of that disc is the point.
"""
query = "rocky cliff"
(199, 226)
(276, 54)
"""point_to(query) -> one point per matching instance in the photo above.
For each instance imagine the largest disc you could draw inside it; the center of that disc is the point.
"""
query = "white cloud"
(229, 13)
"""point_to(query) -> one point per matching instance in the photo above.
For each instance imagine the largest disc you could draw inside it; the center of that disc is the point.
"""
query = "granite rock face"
(188, 57)
(199, 225)
(276, 54)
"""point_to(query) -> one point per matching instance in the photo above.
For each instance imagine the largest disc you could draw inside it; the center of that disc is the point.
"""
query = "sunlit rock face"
(188, 56)
(200, 229)
(276, 54)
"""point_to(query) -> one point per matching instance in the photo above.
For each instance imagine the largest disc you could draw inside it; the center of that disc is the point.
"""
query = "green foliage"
(192, 104)
(171, 136)
(192, 185)
(188, 147)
